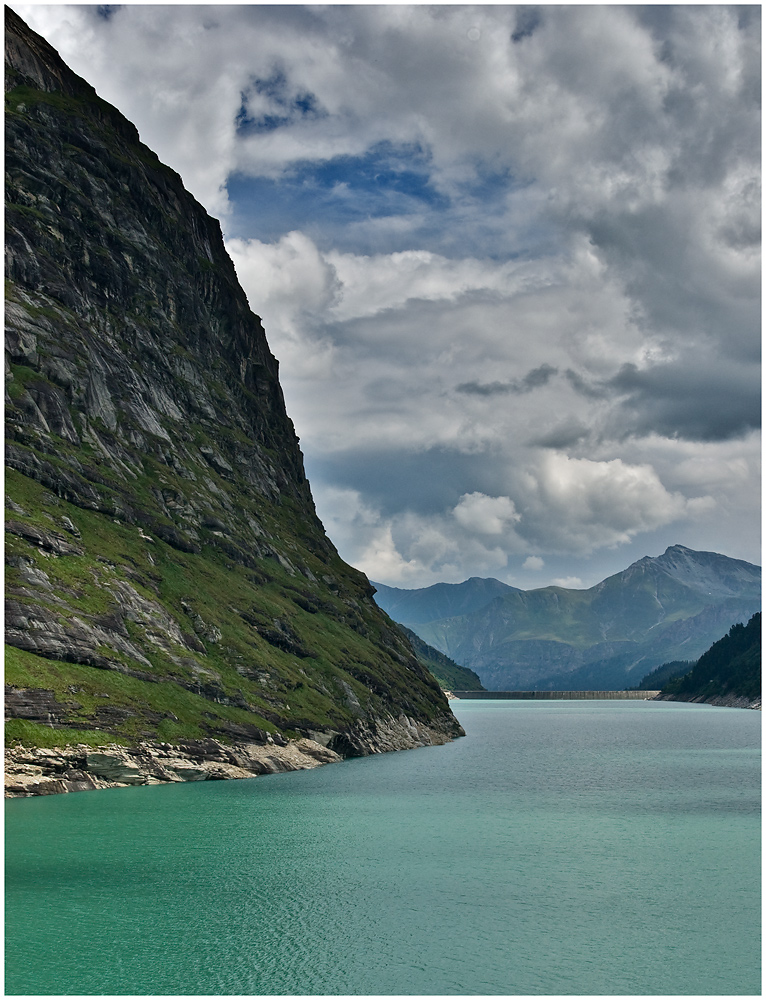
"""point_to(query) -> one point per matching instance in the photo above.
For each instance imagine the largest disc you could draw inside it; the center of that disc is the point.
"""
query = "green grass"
(22, 732)
(229, 584)
(199, 580)
(187, 715)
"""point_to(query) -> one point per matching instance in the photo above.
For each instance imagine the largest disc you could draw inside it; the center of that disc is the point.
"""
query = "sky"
(508, 258)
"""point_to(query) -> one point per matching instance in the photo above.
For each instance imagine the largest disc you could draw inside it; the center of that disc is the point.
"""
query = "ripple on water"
(594, 848)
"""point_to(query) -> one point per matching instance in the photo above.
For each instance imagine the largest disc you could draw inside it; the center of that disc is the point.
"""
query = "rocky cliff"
(167, 576)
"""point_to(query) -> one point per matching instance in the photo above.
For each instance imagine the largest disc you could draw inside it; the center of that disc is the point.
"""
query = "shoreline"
(33, 771)
(721, 701)
(78, 767)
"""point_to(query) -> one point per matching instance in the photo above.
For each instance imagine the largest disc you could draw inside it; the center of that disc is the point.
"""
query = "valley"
(669, 607)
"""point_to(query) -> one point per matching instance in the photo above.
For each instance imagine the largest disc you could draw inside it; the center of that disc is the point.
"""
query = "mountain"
(167, 576)
(670, 607)
(660, 676)
(449, 674)
(729, 673)
(442, 600)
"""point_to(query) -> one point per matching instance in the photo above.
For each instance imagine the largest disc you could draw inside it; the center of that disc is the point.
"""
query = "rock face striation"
(167, 576)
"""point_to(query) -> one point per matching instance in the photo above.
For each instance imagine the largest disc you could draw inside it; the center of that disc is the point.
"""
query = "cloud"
(532, 380)
(704, 402)
(570, 504)
(432, 461)
(568, 582)
(295, 284)
(534, 563)
(409, 549)
(563, 436)
(527, 20)
(485, 515)
(508, 258)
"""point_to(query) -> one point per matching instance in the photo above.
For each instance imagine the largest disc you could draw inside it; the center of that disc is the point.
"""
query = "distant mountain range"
(669, 607)
(442, 600)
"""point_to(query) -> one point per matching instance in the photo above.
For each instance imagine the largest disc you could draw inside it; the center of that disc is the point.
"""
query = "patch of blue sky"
(286, 107)
(383, 171)
(382, 202)
(330, 199)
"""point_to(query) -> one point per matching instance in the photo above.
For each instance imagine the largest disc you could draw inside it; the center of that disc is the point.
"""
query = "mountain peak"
(660, 608)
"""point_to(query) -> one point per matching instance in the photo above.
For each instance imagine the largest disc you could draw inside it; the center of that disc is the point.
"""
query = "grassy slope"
(276, 686)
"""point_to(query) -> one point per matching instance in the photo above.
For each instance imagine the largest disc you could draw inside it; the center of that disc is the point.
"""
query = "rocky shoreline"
(724, 701)
(50, 771)
(53, 770)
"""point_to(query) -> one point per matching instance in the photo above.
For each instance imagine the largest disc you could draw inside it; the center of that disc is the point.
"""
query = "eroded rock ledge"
(41, 771)
(50, 771)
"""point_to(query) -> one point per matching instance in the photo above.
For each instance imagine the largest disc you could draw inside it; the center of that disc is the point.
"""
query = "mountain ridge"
(470, 595)
(659, 608)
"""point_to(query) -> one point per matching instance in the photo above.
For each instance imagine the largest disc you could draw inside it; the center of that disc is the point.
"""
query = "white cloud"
(594, 195)
(534, 563)
(408, 549)
(485, 515)
(568, 582)
(290, 284)
(581, 504)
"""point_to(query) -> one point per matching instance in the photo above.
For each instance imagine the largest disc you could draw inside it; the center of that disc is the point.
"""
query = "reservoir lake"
(562, 847)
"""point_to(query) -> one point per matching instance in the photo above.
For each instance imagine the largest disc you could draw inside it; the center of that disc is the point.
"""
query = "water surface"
(561, 848)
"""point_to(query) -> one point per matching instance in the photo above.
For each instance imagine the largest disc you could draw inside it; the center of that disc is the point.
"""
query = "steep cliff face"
(167, 575)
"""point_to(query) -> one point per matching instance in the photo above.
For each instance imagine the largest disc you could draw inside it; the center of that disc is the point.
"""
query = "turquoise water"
(561, 848)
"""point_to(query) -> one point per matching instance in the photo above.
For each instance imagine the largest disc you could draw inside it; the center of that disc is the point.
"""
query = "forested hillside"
(729, 672)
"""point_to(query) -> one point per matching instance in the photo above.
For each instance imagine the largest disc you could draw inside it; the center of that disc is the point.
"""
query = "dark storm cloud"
(425, 482)
(584, 387)
(564, 435)
(696, 399)
(534, 379)
(527, 20)
(537, 377)
(485, 388)
(676, 287)
(696, 403)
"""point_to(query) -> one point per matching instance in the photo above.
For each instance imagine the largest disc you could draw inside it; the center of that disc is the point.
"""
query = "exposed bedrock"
(167, 576)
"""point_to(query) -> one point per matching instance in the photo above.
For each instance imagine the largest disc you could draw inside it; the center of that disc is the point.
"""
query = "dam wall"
(557, 695)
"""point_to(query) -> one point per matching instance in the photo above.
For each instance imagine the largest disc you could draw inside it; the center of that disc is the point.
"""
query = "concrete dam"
(556, 695)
